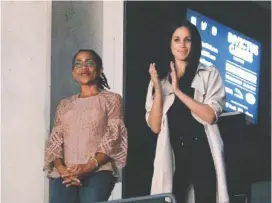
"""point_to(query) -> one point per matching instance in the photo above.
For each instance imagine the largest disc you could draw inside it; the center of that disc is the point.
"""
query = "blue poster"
(237, 57)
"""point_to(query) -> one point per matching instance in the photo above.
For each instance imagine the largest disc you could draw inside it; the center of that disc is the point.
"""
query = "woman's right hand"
(155, 116)
(154, 76)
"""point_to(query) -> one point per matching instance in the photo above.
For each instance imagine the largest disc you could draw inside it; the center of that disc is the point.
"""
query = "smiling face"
(181, 43)
(85, 70)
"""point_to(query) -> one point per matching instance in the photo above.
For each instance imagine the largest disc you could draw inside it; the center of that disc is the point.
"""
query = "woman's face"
(181, 43)
(84, 68)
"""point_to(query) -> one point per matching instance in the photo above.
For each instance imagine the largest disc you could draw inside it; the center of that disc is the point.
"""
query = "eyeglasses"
(87, 64)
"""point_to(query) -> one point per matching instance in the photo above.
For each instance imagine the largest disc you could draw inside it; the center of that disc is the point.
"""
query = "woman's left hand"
(78, 170)
(174, 78)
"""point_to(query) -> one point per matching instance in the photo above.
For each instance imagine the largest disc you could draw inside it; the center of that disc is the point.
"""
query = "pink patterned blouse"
(85, 126)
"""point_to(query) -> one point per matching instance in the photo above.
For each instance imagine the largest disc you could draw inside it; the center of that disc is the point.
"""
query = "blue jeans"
(96, 187)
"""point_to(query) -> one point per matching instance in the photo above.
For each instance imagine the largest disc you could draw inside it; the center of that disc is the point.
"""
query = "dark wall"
(145, 27)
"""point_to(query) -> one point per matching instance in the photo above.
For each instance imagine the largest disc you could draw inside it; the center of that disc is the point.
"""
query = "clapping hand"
(154, 76)
(173, 74)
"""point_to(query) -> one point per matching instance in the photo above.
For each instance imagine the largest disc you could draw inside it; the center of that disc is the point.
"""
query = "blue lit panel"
(237, 57)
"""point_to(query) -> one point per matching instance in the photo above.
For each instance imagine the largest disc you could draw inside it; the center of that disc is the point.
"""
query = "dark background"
(247, 146)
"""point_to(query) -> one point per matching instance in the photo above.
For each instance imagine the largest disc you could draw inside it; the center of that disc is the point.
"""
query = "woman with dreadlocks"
(89, 139)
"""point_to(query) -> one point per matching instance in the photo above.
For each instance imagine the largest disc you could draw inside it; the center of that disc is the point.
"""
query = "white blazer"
(209, 89)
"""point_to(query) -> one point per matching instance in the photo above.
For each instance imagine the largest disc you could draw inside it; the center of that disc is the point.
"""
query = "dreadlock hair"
(101, 81)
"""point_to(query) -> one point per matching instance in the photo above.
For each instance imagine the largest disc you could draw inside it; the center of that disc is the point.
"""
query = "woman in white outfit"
(183, 106)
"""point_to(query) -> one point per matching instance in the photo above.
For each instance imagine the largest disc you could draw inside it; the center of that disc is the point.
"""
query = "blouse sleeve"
(215, 95)
(114, 142)
(148, 101)
(54, 146)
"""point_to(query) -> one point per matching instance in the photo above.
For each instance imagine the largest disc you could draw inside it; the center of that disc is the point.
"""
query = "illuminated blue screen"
(237, 58)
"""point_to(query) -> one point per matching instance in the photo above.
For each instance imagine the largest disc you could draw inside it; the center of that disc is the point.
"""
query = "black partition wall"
(145, 24)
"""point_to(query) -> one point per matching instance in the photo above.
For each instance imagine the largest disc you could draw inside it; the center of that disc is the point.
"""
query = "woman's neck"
(180, 68)
(89, 90)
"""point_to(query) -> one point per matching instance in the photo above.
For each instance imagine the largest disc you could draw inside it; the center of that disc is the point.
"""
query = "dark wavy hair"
(163, 67)
(102, 81)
